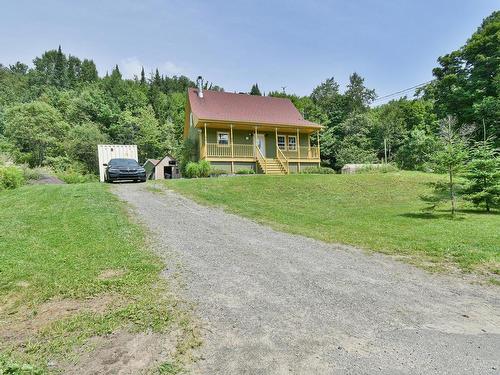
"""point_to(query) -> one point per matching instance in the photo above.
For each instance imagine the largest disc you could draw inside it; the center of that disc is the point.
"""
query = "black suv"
(124, 169)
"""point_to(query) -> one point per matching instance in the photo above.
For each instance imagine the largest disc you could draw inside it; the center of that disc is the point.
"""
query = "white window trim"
(228, 139)
(288, 143)
(284, 142)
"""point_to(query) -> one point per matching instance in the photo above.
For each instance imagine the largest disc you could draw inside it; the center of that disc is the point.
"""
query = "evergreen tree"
(60, 69)
(73, 70)
(255, 90)
(483, 175)
(88, 71)
(116, 74)
(449, 159)
(143, 77)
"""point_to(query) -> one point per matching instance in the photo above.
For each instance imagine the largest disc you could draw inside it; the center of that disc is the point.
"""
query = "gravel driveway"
(275, 303)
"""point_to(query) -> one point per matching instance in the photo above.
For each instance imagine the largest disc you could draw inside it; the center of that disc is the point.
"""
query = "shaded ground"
(274, 303)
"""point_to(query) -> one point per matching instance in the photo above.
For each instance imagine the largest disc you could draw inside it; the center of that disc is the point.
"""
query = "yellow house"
(240, 131)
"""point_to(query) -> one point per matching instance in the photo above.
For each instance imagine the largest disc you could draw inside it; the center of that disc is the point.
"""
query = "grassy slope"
(55, 242)
(376, 211)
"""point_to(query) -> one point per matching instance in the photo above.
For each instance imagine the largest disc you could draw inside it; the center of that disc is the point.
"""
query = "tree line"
(56, 112)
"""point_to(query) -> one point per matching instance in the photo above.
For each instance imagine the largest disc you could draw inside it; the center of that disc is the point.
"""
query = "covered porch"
(264, 145)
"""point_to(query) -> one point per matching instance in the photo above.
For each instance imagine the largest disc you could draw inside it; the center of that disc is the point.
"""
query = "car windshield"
(123, 163)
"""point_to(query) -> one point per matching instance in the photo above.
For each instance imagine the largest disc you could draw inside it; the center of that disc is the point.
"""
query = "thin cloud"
(131, 67)
(171, 68)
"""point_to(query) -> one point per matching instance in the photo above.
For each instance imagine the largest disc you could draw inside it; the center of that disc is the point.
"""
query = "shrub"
(245, 171)
(192, 170)
(31, 174)
(74, 177)
(318, 170)
(11, 177)
(378, 168)
(5, 159)
(217, 172)
(204, 168)
(196, 170)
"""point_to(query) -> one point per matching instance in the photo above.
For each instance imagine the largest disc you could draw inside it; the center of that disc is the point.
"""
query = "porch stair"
(271, 166)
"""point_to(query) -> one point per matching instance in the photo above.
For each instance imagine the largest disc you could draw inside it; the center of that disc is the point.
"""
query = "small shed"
(163, 169)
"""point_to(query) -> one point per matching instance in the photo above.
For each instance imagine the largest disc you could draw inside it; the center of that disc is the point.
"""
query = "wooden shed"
(163, 169)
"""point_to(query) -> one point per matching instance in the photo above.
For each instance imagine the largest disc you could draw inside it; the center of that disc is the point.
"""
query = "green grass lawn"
(377, 211)
(75, 243)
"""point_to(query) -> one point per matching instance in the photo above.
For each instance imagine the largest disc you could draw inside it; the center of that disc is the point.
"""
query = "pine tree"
(73, 70)
(450, 159)
(157, 79)
(59, 79)
(143, 77)
(255, 90)
(88, 71)
(483, 175)
(116, 74)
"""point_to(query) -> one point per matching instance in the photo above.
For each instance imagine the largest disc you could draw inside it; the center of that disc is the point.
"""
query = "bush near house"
(198, 169)
(318, 170)
(245, 171)
(217, 172)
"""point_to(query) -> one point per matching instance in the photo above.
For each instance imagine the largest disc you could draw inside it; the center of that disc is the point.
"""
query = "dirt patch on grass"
(24, 323)
(111, 273)
(47, 179)
(123, 353)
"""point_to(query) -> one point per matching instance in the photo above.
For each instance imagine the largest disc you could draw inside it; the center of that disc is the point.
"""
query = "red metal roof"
(225, 106)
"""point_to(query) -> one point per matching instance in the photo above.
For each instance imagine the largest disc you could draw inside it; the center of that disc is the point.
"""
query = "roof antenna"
(199, 83)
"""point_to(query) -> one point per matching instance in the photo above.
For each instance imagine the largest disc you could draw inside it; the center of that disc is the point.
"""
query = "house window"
(292, 143)
(282, 142)
(223, 139)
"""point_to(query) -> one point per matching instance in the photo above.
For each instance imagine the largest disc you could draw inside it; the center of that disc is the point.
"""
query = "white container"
(108, 152)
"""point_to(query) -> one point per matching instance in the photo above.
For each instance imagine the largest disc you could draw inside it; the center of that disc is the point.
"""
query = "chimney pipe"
(199, 83)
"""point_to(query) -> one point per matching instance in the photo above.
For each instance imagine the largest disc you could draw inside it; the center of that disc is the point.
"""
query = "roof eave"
(312, 125)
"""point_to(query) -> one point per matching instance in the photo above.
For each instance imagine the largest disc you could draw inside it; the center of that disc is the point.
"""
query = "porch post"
(298, 150)
(276, 137)
(255, 138)
(309, 145)
(319, 163)
(206, 150)
(232, 150)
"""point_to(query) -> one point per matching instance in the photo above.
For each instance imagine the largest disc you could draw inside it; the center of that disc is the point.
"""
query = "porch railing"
(240, 150)
(305, 153)
(283, 160)
(225, 151)
(261, 159)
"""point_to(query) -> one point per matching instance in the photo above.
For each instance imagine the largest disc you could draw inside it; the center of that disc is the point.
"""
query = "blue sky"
(298, 44)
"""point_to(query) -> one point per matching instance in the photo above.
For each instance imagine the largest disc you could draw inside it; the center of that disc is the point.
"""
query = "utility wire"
(401, 91)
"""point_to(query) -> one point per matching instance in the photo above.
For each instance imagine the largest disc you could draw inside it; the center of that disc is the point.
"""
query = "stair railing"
(283, 160)
(260, 158)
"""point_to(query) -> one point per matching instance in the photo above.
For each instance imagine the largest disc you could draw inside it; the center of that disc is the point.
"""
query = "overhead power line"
(401, 91)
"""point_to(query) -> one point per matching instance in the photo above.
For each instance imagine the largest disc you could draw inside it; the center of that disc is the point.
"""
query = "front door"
(261, 143)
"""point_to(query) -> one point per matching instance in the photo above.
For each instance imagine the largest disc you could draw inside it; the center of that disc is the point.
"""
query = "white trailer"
(108, 152)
